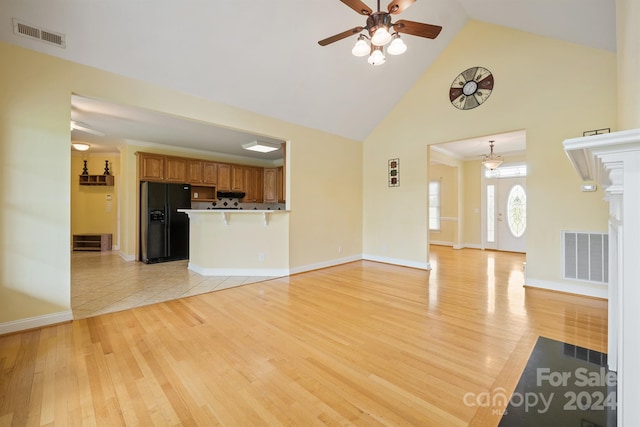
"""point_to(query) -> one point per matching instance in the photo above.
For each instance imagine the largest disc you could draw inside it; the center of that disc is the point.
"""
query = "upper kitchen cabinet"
(194, 171)
(210, 173)
(270, 193)
(253, 184)
(224, 177)
(274, 185)
(151, 167)
(156, 167)
(280, 184)
(237, 178)
(175, 169)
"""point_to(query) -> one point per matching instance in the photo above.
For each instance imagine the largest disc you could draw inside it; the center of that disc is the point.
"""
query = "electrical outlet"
(339, 249)
(261, 256)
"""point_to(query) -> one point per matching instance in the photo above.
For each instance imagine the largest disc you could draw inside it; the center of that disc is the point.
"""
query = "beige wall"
(94, 209)
(539, 87)
(628, 45)
(35, 165)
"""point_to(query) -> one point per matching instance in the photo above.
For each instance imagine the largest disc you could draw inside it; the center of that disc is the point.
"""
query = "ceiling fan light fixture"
(376, 57)
(381, 37)
(492, 161)
(397, 46)
(261, 146)
(80, 146)
(362, 47)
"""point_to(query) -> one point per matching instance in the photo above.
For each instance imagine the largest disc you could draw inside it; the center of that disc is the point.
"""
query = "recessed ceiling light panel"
(261, 146)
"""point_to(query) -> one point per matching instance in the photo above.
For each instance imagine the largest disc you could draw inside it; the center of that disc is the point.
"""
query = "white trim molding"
(613, 160)
(587, 289)
(397, 261)
(36, 322)
(325, 264)
(250, 272)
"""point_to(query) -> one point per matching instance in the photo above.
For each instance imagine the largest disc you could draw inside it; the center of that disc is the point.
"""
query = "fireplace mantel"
(613, 161)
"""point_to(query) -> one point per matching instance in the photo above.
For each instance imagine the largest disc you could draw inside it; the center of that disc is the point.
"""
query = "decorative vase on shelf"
(84, 168)
(106, 167)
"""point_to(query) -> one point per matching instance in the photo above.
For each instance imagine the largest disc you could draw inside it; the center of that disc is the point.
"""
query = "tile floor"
(102, 282)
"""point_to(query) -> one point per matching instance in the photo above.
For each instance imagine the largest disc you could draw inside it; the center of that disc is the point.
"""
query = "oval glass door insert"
(517, 211)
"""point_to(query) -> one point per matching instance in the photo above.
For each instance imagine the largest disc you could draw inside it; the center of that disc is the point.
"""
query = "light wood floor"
(359, 344)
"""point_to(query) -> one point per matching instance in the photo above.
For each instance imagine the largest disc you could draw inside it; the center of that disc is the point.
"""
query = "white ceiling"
(508, 143)
(263, 56)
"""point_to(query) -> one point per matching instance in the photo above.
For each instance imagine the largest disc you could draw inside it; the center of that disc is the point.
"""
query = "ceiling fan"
(382, 31)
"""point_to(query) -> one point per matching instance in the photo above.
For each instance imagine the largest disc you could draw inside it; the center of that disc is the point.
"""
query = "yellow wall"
(539, 87)
(94, 209)
(35, 219)
(628, 45)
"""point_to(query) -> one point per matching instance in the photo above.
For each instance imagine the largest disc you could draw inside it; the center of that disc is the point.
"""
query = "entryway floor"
(102, 282)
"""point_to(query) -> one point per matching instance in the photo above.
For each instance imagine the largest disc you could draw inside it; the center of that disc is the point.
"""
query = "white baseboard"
(461, 246)
(440, 243)
(252, 272)
(472, 246)
(325, 264)
(397, 261)
(587, 289)
(35, 322)
(127, 257)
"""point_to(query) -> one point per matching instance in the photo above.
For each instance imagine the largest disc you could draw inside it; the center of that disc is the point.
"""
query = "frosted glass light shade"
(381, 37)
(376, 57)
(80, 146)
(361, 48)
(397, 46)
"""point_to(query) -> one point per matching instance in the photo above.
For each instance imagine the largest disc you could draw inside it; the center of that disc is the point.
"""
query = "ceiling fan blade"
(340, 36)
(417, 29)
(358, 6)
(397, 6)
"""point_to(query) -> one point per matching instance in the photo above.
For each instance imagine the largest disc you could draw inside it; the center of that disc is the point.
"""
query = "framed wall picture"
(394, 172)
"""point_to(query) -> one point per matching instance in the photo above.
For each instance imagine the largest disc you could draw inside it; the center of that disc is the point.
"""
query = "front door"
(505, 209)
(511, 215)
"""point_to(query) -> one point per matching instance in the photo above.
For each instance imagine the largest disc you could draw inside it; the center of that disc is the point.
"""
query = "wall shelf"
(96, 180)
(92, 242)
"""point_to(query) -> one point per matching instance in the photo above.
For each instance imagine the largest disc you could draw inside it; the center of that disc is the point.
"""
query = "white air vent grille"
(22, 29)
(585, 256)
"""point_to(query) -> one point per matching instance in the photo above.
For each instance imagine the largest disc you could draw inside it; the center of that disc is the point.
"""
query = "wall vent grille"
(51, 37)
(585, 256)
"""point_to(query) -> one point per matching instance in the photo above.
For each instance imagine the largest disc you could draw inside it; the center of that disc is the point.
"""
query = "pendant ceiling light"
(382, 31)
(492, 161)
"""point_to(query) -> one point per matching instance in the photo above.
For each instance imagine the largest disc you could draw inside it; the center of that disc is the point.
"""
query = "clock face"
(471, 88)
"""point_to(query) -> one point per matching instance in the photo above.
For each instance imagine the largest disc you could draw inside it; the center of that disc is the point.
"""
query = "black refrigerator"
(164, 232)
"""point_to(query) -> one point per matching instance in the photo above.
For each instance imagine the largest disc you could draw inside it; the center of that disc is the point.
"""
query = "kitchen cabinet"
(210, 173)
(270, 192)
(175, 169)
(224, 177)
(280, 184)
(253, 185)
(203, 193)
(194, 172)
(151, 167)
(237, 178)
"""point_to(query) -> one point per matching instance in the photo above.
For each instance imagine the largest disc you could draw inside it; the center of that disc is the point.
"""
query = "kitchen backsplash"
(226, 203)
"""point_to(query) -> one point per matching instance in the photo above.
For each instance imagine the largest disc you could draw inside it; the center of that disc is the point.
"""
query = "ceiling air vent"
(22, 29)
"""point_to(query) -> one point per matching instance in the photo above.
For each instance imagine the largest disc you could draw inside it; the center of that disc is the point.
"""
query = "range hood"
(230, 194)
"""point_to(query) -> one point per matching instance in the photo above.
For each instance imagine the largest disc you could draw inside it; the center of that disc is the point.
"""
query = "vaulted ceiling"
(263, 56)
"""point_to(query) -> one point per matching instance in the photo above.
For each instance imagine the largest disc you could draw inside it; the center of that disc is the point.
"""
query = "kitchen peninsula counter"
(238, 242)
